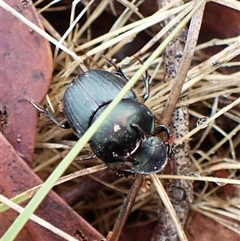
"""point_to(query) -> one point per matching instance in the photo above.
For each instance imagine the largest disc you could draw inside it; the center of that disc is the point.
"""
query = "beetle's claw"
(37, 106)
(47, 113)
(162, 128)
(145, 96)
(110, 61)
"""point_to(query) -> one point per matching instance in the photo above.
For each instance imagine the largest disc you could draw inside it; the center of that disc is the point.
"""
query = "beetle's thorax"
(150, 157)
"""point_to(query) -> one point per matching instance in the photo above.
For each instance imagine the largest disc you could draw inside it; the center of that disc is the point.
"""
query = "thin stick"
(167, 203)
(183, 68)
(126, 208)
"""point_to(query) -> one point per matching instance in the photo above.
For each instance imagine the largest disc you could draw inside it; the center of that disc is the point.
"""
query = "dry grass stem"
(37, 220)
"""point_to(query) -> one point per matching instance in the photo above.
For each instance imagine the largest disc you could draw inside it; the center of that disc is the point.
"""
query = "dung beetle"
(127, 140)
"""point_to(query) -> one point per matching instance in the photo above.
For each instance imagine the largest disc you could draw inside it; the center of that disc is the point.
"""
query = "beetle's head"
(151, 156)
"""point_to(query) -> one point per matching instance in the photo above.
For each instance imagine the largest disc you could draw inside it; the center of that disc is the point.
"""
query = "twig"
(126, 208)
(179, 191)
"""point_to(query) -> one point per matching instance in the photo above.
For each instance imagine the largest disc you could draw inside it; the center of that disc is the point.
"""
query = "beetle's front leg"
(163, 128)
(122, 158)
(124, 167)
(139, 130)
(47, 113)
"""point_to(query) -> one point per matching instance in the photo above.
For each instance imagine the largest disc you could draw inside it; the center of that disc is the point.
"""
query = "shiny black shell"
(87, 93)
(87, 97)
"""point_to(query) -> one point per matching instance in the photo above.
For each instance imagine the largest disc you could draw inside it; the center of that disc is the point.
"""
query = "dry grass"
(214, 145)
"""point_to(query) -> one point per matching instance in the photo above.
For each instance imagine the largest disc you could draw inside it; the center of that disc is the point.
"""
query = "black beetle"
(127, 139)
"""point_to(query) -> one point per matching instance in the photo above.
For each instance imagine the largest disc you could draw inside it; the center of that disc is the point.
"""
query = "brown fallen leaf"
(17, 177)
(26, 69)
(203, 228)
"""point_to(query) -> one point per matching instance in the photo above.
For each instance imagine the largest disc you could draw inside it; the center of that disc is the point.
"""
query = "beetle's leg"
(142, 136)
(123, 169)
(128, 155)
(121, 172)
(118, 69)
(85, 158)
(139, 130)
(47, 113)
(146, 80)
(163, 128)
(126, 167)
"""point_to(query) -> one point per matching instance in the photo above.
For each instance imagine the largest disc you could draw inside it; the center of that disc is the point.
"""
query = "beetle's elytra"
(127, 139)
